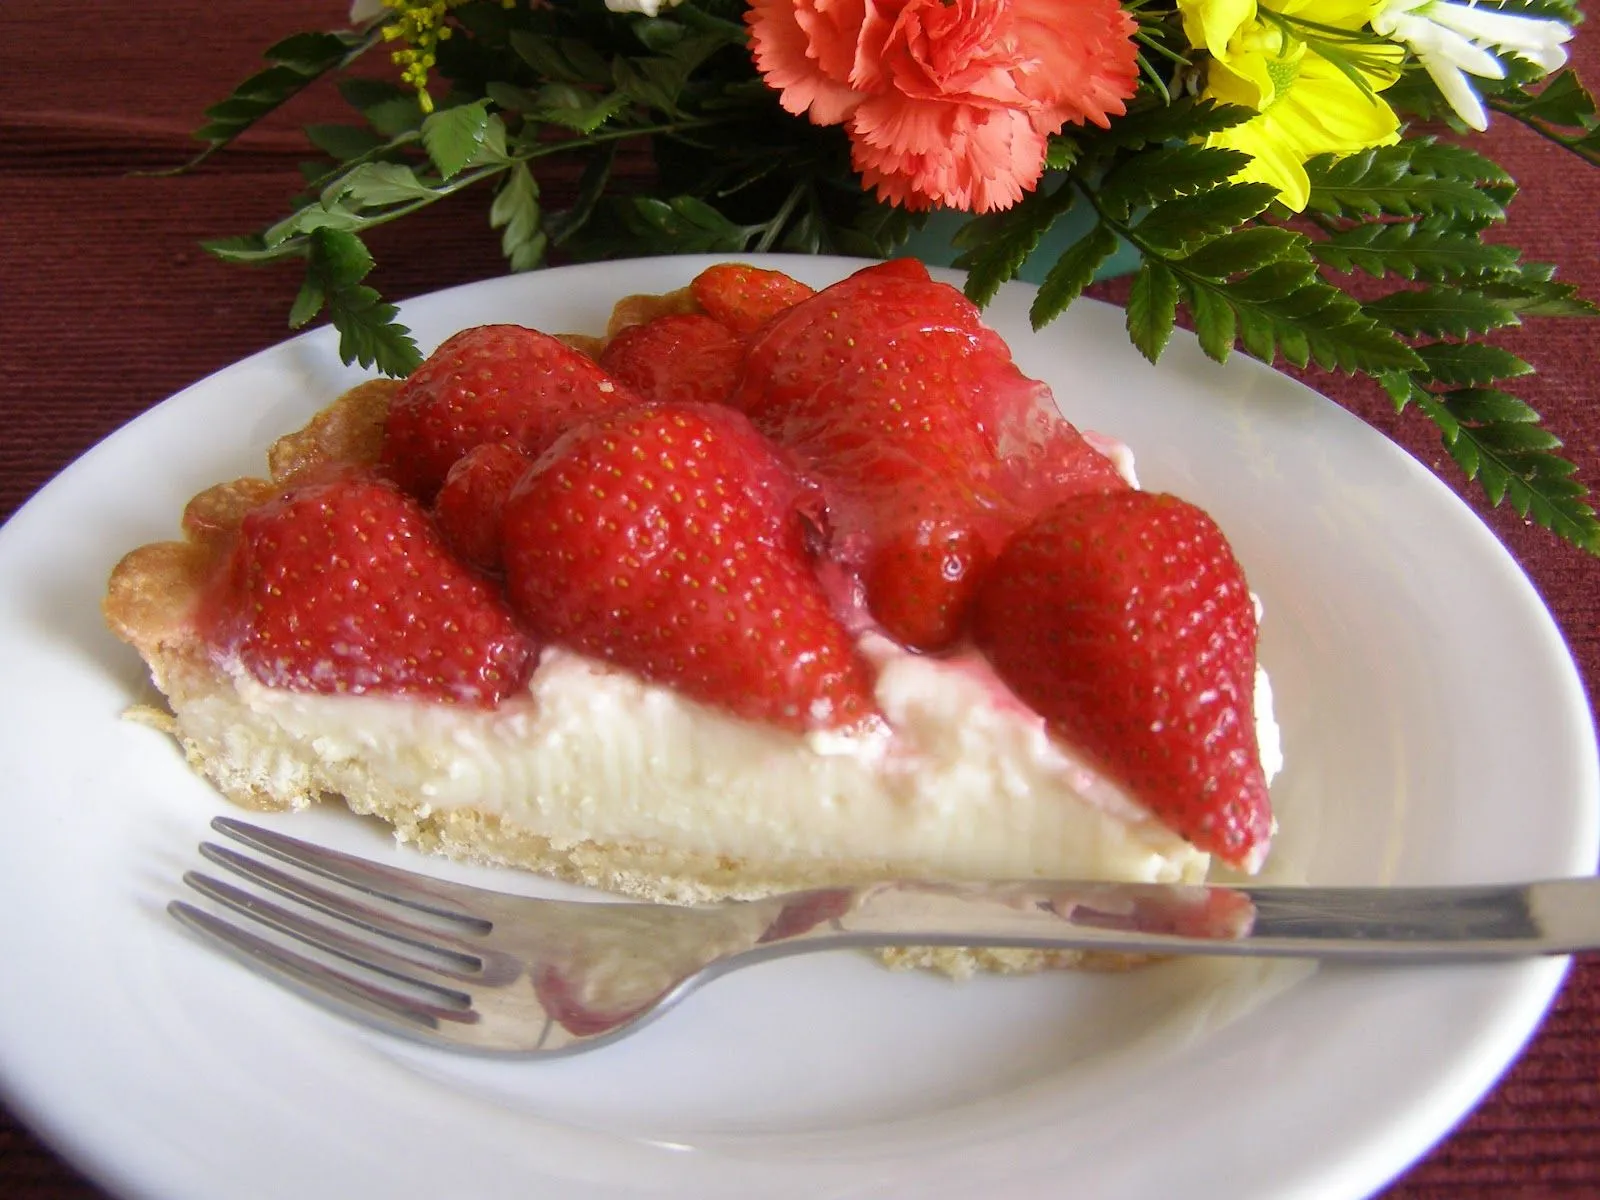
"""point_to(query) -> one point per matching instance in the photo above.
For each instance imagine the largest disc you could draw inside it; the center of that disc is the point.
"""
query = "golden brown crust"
(347, 432)
(150, 599)
(636, 310)
(583, 343)
(213, 516)
(154, 591)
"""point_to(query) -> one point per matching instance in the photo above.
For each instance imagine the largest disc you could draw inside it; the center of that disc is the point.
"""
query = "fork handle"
(1414, 923)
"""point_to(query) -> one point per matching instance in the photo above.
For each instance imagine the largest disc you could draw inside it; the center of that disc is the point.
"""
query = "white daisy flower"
(649, 8)
(1454, 40)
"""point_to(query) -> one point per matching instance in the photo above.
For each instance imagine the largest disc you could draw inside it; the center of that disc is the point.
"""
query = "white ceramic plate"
(1396, 628)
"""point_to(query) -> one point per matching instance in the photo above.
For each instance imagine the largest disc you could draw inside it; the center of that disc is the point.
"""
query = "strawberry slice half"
(684, 358)
(667, 539)
(470, 503)
(344, 585)
(1125, 621)
(491, 383)
(930, 445)
(744, 298)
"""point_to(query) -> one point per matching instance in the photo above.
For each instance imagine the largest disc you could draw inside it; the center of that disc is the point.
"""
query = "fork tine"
(320, 983)
(332, 941)
(345, 908)
(433, 896)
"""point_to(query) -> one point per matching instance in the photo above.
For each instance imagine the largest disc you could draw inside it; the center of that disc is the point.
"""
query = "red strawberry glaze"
(1125, 621)
(685, 358)
(667, 539)
(743, 297)
(930, 445)
(491, 383)
(468, 506)
(342, 585)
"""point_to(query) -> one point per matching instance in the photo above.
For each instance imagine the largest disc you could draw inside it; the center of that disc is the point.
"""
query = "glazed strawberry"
(469, 504)
(922, 579)
(932, 447)
(682, 358)
(1125, 621)
(743, 297)
(666, 539)
(492, 383)
(343, 585)
(838, 333)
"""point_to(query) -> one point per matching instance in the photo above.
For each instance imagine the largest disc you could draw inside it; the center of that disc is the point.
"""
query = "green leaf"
(296, 62)
(1182, 224)
(1011, 240)
(510, 97)
(310, 53)
(1470, 362)
(516, 212)
(1245, 250)
(369, 333)
(336, 262)
(339, 259)
(1071, 273)
(1451, 160)
(1562, 101)
(583, 112)
(1565, 11)
(390, 110)
(454, 137)
(1381, 182)
(343, 142)
(686, 225)
(1185, 119)
(376, 185)
(1496, 439)
(565, 60)
(1164, 173)
(308, 303)
(658, 35)
(263, 86)
(1257, 332)
(1313, 320)
(1062, 153)
(1527, 295)
(1412, 252)
(561, 227)
(1486, 405)
(248, 248)
(1536, 483)
(657, 82)
(308, 218)
(1441, 311)
(1279, 281)
(1152, 308)
(881, 228)
(1214, 322)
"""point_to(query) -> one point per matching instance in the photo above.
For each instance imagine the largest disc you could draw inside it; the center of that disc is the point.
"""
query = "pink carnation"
(948, 104)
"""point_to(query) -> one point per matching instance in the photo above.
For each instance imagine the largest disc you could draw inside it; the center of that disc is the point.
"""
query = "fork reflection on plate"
(472, 969)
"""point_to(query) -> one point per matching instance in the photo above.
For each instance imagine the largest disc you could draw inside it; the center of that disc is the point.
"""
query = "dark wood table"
(107, 306)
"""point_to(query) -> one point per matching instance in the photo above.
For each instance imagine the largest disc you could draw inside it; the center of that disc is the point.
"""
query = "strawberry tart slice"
(764, 589)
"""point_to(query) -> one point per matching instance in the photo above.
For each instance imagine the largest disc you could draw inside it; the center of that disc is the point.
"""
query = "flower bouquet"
(1295, 175)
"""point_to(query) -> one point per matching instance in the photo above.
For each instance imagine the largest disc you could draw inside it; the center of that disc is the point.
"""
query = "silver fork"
(472, 969)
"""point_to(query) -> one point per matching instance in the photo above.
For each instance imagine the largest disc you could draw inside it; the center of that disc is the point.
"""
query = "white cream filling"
(964, 782)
